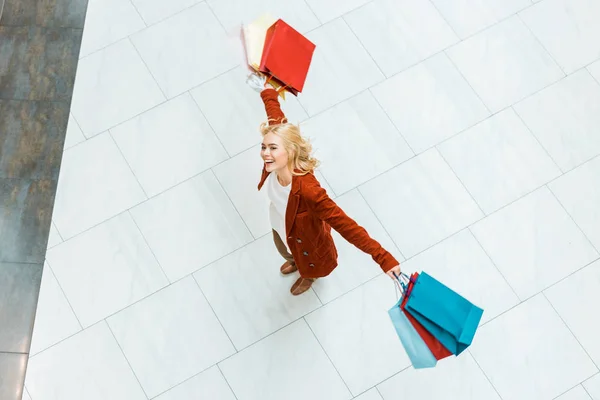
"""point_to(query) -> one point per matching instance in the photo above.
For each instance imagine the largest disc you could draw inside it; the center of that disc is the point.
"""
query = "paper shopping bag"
(254, 39)
(287, 55)
(419, 354)
(435, 346)
(449, 317)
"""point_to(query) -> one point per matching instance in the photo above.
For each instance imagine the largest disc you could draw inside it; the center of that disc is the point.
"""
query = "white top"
(279, 196)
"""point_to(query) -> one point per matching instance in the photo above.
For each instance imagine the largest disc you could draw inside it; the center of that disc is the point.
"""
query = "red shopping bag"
(287, 55)
(437, 349)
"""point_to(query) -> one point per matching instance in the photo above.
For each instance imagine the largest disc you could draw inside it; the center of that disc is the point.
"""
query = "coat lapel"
(292, 206)
(263, 177)
(293, 200)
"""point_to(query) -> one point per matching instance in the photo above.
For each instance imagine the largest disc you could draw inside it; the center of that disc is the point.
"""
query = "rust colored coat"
(311, 214)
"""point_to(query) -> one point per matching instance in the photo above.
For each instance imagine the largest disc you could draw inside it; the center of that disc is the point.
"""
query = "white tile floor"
(463, 134)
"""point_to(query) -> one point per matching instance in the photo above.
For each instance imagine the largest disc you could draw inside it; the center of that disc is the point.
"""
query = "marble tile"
(209, 384)
(420, 202)
(153, 11)
(38, 63)
(371, 144)
(499, 160)
(74, 134)
(577, 393)
(270, 369)
(568, 30)
(471, 16)
(340, 68)
(88, 366)
(120, 269)
(565, 118)
(592, 386)
(235, 111)
(32, 138)
(95, 184)
(161, 161)
(574, 299)
(53, 237)
(595, 71)
(327, 10)
(107, 22)
(250, 296)
(19, 289)
(233, 13)
(112, 85)
(54, 318)
(452, 378)
(25, 211)
(356, 332)
(355, 267)
(170, 336)
(196, 40)
(534, 242)
(430, 102)
(400, 33)
(239, 176)
(191, 226)
(534, 329)
(47, 13)
(505, 64)
(461, 264)
(372, 394)
(12, 375)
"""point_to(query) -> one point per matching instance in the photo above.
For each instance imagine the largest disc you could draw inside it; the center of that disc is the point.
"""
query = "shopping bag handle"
(400, 284)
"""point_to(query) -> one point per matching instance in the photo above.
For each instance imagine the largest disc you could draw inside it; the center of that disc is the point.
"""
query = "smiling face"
(274, 153)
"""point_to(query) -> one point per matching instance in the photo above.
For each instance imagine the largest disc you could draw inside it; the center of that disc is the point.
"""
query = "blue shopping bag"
(448, 316)
(417, 350)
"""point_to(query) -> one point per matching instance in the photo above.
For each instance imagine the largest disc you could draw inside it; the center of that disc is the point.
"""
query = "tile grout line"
(466, 189)
(543, 293)
(537, 139)
(385, 77)
(573, 220)
(65, 296)
(151, 108)
(484, 374)
(235, 208)
(393, 124)
(226, 381)
(125, 357)
(216, 316)
(313, 12)
(140, 15)
(518, 16)
(490, 113)
(137, 51)
(214, 14)
(229, 157)
(380, 223)
(582, 386)
(494, 264)
(568, 390)
(327, 355)
(148, 245)
(128, 165)
(537, 293)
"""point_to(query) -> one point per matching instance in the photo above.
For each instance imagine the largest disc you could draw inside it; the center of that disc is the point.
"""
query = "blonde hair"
(298, 148)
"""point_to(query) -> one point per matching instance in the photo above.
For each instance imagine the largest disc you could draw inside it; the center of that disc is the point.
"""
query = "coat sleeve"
(327, 210)
(272, 107)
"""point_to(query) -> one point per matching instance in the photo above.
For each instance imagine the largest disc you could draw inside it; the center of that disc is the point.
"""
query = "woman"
(301, 212)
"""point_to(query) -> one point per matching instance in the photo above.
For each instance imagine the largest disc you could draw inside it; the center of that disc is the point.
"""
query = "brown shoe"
(288, 268)
(301, 286)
